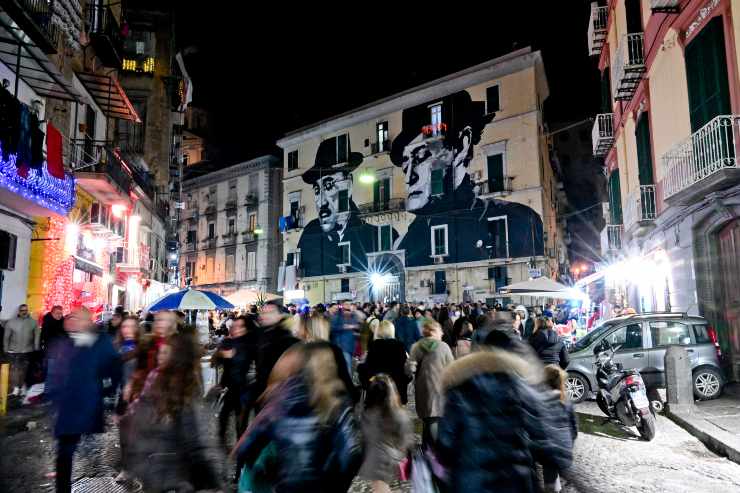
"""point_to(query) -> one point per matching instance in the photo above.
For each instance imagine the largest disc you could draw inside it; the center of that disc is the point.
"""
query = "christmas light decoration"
(58, 269)
(38, 186)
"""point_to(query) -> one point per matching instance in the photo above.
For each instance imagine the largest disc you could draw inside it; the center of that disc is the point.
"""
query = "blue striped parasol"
(190, 299)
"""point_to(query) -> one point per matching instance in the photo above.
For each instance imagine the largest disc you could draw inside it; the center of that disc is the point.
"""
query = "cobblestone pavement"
(608, 458)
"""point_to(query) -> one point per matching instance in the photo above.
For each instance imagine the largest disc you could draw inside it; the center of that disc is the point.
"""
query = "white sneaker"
(123, 477)
(16, 391)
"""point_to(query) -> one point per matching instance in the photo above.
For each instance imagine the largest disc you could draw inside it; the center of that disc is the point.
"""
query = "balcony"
(703, 163)
(602, 134)
(614, 237)
(101, 174)
(250, 236)
(381, 146)
(189, 247)
(381, 207)
(629, 65)
(105, 34)
(665, 6)
(230, 204)
(491, 188)
(250, 200)
(34, 17)
(209, 243)
(210, 209)
(597, 28)
(228, 238)
(640, 211)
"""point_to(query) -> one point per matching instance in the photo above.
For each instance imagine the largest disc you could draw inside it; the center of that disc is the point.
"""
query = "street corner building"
(229, 225)
(91, 101)
(443, 192)
(669, 133)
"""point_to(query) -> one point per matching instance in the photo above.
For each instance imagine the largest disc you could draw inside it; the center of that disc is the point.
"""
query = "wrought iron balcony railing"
(640, 207)
(602, 134)
(250, 200)
(614, 237)
(35, 18)
(665, 6)
(382, 206)
(105, 34)
(497, 187)
(209, 243)
(380, 146)
(629, 65)
(597, 28)
(708, 154)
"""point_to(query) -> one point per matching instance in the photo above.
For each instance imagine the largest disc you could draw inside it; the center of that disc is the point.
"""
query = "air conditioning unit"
(439, 260)
(342, 269)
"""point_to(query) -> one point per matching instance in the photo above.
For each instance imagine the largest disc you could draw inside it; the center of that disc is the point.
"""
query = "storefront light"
(71, 237)
(118, 210)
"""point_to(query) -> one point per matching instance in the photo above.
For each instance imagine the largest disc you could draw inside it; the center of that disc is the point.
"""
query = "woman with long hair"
(305, 438)
(167, 452)
(386, 427)
(126, 342)
(386, 355)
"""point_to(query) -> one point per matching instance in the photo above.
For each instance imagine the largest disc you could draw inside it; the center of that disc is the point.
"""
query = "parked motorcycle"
(622, 394)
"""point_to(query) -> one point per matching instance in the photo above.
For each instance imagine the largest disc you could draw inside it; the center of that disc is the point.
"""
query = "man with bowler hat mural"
(337, 236)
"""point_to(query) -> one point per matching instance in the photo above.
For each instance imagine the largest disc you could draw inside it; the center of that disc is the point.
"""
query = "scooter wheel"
(647, 427)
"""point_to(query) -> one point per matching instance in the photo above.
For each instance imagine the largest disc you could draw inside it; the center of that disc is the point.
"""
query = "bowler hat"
(325, 162)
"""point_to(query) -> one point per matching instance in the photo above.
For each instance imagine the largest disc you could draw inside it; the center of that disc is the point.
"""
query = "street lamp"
(367, 177)
(258, 230)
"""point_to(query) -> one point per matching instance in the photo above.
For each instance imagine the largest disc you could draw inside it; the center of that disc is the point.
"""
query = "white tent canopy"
(542, 287)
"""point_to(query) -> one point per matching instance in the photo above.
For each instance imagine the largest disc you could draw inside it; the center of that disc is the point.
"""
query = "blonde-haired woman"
(386, 355)
(306, 430)
(429, 357)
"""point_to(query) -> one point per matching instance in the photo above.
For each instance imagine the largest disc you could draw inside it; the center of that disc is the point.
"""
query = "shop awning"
(109, 96)
(544, 288)
(30, 63)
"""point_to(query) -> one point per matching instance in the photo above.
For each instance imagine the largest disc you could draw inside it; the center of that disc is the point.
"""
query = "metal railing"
(102, 24)
(489, 187)
(629, 65)
(250, 199)
(597, 28)
(614, 236)
(602, 134)
(41, 13)
(640, 206)
(230, 202)
(380, 146)
(708, 150)
(249, 236)
(665, 6)
(390, 205)
(209, 243)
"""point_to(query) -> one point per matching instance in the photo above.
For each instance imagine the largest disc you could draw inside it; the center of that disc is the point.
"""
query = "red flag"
(54, 152)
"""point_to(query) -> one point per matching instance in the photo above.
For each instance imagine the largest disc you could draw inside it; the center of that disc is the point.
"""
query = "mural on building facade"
(434, 150)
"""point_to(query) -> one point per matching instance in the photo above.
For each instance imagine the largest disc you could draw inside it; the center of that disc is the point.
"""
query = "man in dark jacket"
(493, 428)
(75, 385)
(275, 339)
(52, 326)
(407, 329)
(548, 346)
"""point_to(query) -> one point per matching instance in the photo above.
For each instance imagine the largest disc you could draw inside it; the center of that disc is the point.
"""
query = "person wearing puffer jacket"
(548, 346)
(494, 428)
(562, 423)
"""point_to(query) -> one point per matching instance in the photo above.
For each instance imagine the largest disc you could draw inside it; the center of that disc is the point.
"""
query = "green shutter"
(606, 92)
(385, 238)
(496, 173)
(644, 150)
(706, 73)
(615, 198)
(438, 176)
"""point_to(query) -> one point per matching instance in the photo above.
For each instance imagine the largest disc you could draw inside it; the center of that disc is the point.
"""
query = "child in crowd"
(562, 422)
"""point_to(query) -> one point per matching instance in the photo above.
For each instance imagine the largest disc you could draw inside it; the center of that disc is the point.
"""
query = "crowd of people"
(318, 396)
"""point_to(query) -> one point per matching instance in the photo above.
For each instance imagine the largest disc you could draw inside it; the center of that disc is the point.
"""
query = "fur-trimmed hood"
(492, 361)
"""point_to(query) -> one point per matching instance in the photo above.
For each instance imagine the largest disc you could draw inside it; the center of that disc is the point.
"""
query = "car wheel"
(576, 387)
(707, 384)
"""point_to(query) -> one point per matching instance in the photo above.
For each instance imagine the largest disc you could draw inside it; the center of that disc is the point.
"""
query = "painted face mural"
(435, 146)
(327, 197)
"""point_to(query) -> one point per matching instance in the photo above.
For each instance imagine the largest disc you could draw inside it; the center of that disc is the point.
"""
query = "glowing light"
(173, 256)
(258, 230)
(377, 281)
(106, 279)
(118, 210)
(135, 218)
(367, 177)
(71, 237)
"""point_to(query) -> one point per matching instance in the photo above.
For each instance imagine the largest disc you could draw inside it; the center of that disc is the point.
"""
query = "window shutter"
(437, 181)
(644, 150)
(493, 102)
(341, 148)
(496, 173)
(615, 198)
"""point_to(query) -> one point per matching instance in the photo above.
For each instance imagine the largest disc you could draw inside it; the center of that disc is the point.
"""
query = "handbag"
(422, 480)
(404, 468)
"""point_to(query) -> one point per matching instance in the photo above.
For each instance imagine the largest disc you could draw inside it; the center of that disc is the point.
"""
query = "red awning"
(109, 96)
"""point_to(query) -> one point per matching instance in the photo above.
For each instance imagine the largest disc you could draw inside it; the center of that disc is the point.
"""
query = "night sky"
(263, 74)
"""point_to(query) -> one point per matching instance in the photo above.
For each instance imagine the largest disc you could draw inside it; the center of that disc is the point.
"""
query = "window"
(665, 333)
(381, 193)
(436, 118)
(251, 265)
(701, 334)
(342, 148)
(344, 253)
(293, 258)
(644, 150)
(498, 237)
(385, 237)
(229, 268)
(289, 259)
(344, 282)
(232, 190)
(343, 200)
(629, 337)
(439, 240)
(382, 135)
(615, 198)
(493, 99)
(254, 185)
(252, 222)
(189, 269)
(232, 226)
(496, 173)
(191, 237)
(498, 275)
(440, 282)
(438, 177)
(211, 231)
(293, 160)
(212, 195)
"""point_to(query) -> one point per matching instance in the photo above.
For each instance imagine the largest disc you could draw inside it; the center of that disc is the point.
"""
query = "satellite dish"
(479, 243)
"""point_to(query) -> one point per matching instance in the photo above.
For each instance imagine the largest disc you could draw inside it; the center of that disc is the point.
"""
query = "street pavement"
(608, 458)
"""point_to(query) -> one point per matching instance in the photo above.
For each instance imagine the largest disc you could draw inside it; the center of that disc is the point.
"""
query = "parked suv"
(642, 341)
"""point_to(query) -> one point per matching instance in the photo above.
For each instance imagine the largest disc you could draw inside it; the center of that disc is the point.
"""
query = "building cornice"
(234, 171)
(489, 70)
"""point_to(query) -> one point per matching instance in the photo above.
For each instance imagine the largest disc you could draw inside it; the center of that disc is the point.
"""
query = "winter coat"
(22, 335)
(407, 331)
(561, 421)
(528, 328)
(431, 356)
(550, 348)
(344, 330)
(75, 383)
(169, 453)
(236, 368)
(311, 455)
(386, 356)
(493, 427)
(51, 328)
(273, 342)
(387, 440)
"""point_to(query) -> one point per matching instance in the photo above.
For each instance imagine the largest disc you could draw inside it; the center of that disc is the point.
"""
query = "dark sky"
(261, 74)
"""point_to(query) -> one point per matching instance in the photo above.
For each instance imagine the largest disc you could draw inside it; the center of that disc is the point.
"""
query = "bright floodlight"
(377, 280)
(367, 177)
